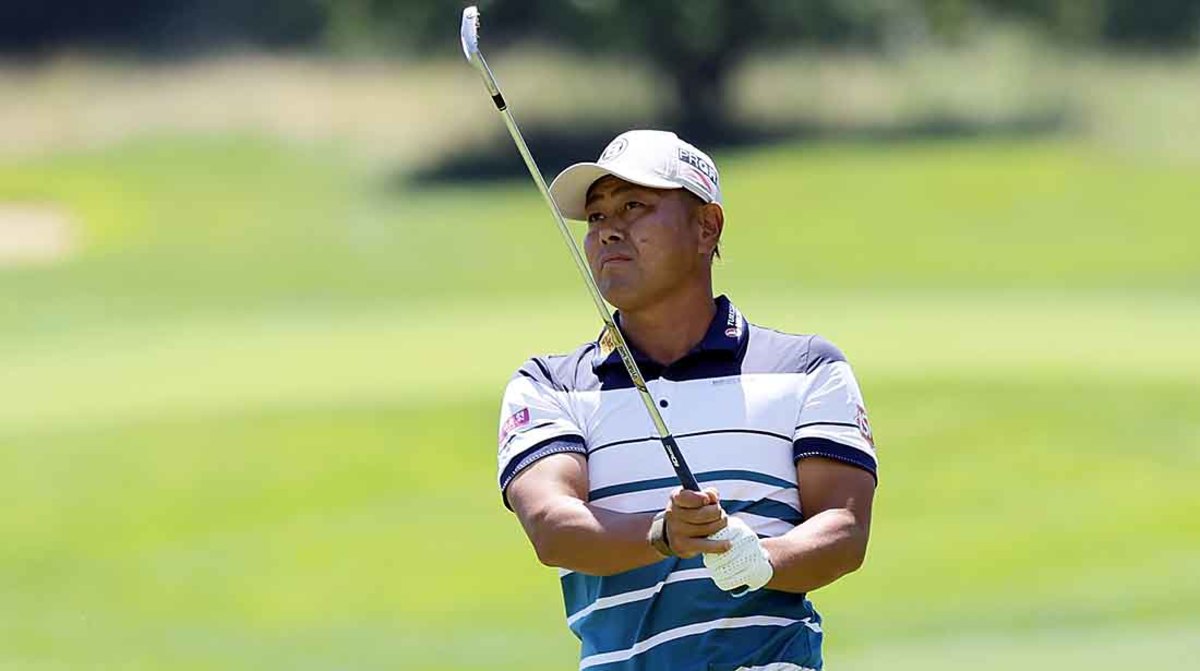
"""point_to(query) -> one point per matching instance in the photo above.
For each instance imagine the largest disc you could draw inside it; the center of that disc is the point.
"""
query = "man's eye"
(632, 204)
(594, 217)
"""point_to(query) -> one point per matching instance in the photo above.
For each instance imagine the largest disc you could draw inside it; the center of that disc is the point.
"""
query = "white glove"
(745, 564)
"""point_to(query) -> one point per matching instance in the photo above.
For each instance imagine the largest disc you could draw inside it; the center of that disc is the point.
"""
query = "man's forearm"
(824, 548)
(571, 534)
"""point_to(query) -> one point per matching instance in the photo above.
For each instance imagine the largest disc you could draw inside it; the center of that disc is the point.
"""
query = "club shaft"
(686, 478)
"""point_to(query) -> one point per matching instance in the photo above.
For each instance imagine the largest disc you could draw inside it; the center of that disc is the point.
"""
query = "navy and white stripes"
(745, 406)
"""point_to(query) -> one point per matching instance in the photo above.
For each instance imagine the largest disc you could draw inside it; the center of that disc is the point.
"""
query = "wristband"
(658, 536)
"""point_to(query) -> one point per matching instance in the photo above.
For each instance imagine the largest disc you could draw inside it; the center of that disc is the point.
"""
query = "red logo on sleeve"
(517, 420)
(864, 427)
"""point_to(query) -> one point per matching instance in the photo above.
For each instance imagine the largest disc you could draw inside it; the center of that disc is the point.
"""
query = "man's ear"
(710, 217)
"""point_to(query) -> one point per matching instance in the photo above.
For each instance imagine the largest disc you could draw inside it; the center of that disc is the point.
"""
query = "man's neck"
(670, 328)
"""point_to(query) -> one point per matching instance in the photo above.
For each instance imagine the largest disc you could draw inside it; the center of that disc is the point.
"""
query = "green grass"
(243, 223)
(252, 424)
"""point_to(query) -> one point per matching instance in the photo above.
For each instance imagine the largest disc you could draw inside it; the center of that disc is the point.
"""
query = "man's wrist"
(770, 547)
(658, 536)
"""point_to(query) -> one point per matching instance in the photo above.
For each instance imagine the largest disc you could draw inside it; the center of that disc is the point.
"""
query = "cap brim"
(569, 189)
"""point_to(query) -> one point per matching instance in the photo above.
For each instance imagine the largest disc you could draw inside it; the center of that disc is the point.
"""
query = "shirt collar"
(726, 334)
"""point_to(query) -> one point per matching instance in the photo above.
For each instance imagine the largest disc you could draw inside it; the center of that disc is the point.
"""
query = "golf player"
(772, 424)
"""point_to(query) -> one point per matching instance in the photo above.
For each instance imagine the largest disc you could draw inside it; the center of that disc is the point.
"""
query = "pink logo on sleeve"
(864, 427)
(517, 420)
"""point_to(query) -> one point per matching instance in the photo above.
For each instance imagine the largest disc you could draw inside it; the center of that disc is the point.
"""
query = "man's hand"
(746, 565)
(692, 517)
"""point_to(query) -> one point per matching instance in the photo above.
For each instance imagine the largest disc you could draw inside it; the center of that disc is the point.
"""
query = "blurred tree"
(1074, 20)
(1159, 24)
(159, 26)
(1153, 23)
(32, 25)
(196, 24)
(695, 44)
(947, 19)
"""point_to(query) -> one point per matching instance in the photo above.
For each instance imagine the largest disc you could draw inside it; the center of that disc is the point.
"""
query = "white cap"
(654, 158)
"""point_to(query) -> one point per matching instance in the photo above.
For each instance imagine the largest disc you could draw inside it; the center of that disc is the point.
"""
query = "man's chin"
(624, 298)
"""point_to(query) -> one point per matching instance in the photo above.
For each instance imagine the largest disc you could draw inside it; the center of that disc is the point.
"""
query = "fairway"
(258, 430)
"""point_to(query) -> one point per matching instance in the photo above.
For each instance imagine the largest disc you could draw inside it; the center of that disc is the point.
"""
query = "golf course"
(248, 415)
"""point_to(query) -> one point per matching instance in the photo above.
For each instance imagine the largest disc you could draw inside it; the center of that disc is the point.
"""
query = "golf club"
(470, 45)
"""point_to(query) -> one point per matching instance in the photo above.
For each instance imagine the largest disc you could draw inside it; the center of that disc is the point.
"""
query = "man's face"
(642, 243)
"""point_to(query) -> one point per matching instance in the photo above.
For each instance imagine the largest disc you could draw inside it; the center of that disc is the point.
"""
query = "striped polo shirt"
(745, 405)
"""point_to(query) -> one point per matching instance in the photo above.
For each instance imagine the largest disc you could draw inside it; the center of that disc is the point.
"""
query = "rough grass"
(248, 222)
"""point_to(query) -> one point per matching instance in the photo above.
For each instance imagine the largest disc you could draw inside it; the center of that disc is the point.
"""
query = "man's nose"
(611, 231)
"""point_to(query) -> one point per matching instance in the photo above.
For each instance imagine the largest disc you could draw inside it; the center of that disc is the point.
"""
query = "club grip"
(681, 468)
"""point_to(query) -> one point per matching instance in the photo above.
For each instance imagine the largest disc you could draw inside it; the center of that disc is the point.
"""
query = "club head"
(470, 33)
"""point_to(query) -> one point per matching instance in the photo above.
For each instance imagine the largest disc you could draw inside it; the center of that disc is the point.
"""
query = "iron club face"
(469, 33)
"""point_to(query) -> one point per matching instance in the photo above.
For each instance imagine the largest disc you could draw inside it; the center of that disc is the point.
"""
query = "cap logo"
(700, 164)
(701, 178)
(614, 149)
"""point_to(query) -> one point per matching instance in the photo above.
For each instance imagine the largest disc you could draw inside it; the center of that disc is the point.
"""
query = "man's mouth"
(616, 258)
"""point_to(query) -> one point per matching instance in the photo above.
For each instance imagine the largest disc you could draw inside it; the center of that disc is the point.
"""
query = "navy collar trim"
(726, 334)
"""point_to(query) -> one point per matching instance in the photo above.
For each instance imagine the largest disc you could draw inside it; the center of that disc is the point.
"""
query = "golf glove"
(745, 565)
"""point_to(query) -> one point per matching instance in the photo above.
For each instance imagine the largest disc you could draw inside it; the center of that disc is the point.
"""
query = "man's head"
(653, 207)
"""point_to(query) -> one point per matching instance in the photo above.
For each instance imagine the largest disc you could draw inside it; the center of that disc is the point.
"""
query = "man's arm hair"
(550, 499)
(836, 499)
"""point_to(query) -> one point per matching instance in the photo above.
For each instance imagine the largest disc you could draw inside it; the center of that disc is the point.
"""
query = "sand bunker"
(35, 234)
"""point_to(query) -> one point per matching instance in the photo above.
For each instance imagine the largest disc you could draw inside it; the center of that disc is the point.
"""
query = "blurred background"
(265, 269)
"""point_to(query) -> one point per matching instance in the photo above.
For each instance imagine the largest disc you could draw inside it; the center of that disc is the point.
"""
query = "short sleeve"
(832, 420)
(535, 422)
